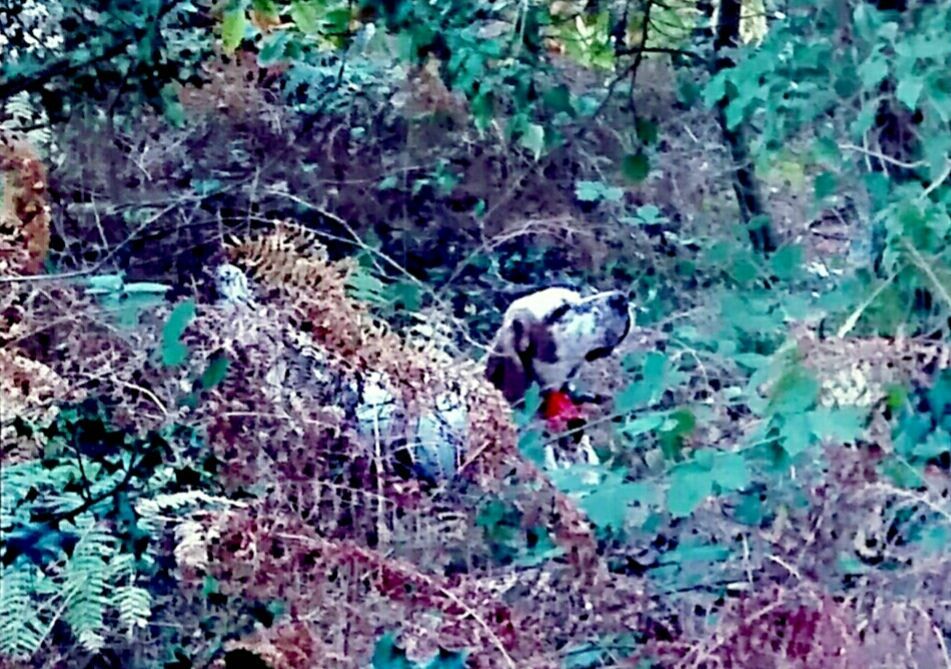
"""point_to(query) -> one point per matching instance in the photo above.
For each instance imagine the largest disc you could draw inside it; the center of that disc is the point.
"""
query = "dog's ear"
(507, 374)
(504, 368)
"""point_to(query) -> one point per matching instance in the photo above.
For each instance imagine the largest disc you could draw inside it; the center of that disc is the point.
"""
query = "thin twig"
(854, 317)
(878, 155)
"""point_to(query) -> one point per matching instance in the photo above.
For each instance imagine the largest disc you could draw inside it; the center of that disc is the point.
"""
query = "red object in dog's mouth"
(558, 408)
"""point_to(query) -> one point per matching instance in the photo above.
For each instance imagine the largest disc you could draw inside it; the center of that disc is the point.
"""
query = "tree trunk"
(745, 185)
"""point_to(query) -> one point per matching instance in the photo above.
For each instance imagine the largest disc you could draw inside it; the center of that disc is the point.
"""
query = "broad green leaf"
(105, 283)
(272, 49)
(635, 167)
(864, 121)
(628, 399)
(873, 70)
(216, 371)
(935, 444)
(730, 471)
(843, 425)
(796, 434)
(306, 16)
(172, 105)
(174, 352)
(936, 538)
(734, 113)
(337, 21)
(608, 505)
(674, 432)
(749, 510)
(267, 7)
(909, 90)
(533, 139)
(795, 392)
(578, 478)
(827, 151)
(407, 294)
(612, 193)
(787, 261)
(387, 655)
(689, 486)
(640, 425)
(646, 130)
(901, 473)
(558, 98)
(715, 89)
(531, 403)
(825, 185)
(589, 191)
(233, 26)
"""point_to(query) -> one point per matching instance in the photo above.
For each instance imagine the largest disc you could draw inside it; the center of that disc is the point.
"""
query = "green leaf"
(387, 655)
(337, 21)
(901, 473)
(104, 283)
(635, 167)
(233, 26)
(588, 191)
(689, 486)
(909, 90)
(558, 98)
(873, 70)
(935, 444)
(715, 89)
(843, 425)
(266, 7)
(730, 471)
(787, 261)
(405, 294)
(272, 49)
(675, 430)
(646, 130)
(216, 370)
(641, 425)
(795, 392)
(607, 506)
(749, 510)
(172, 105)
(306, 15)
(533, 139)
(796, 434)
(530, 405)
(825, 185)
(174, 352)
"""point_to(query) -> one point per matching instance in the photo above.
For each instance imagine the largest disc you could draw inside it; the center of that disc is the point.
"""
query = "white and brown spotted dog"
(545, 338)
(548, 335)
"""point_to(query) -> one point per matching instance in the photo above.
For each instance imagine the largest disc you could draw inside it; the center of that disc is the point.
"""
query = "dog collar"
(558, 408)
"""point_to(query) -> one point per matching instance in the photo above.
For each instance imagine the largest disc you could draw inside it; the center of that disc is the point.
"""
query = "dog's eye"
(558, 313)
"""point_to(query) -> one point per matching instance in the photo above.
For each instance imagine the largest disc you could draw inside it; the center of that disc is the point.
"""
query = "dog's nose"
(618, 302)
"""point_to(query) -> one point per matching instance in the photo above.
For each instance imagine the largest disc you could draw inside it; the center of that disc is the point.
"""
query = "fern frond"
(86, 582)
(135, 607)
(20, 625)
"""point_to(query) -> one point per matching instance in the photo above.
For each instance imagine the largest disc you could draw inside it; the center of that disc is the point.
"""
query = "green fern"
(134, 604)
(86, 579)
(21, 631)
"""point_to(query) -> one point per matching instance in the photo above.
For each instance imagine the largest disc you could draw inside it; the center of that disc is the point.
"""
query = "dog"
(544, 339)
(548, 335)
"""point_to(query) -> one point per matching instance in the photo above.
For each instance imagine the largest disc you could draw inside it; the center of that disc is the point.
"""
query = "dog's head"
(546, 336)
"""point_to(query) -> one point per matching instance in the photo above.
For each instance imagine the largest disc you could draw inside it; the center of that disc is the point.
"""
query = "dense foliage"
(186, 482)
